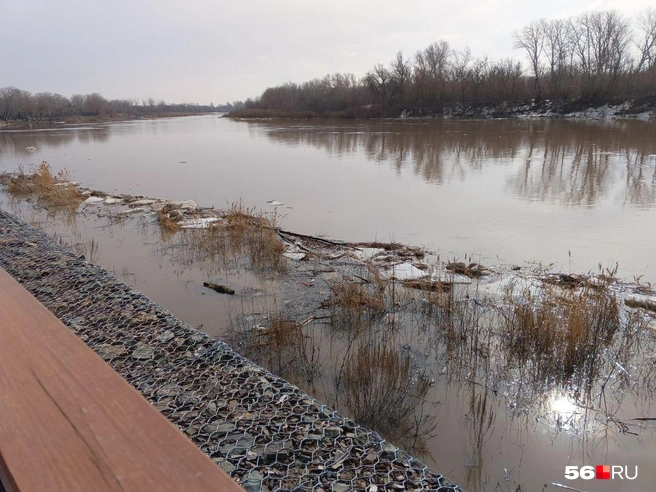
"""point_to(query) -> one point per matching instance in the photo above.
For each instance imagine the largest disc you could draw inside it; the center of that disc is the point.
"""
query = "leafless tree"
(461, 72)
(379, 82)
(9, 98)
(531, 39)
(601, 43)
(558, 53)
(646, 43)
(507, 74)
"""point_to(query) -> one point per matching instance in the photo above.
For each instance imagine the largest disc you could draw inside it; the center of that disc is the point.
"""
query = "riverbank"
(641, 109)
(89, 120)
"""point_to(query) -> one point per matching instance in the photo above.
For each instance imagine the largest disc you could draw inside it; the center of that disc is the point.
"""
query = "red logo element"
(602, 472)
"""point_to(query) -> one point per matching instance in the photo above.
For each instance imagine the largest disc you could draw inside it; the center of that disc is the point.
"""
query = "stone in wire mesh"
(266, 433)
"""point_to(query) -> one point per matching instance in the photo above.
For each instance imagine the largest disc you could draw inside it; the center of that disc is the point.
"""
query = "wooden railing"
(69, 423)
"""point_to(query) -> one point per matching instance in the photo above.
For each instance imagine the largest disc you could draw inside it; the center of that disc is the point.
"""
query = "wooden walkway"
(69, 423)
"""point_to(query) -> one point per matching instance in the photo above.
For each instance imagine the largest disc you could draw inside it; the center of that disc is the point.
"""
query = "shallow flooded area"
(498, 381)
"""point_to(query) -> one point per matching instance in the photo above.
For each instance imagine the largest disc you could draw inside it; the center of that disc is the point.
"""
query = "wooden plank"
(68, 422)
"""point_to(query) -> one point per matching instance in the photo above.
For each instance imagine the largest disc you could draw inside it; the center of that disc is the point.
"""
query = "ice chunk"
(201, 223)
(141, 203)
(183, 204)
(294, 256)
(93, 199)
(367, 253)
(405, 271)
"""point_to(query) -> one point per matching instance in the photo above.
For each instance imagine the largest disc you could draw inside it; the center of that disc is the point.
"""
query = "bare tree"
(9, 99)
(531, 39)
(646, 44)
(379, 82)
(437, 57)
(507, 74)
(601, 42)
(461, 72)
(558, 52)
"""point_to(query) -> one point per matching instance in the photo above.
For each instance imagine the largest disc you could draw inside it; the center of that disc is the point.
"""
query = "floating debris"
(641, 301)
(221, 289)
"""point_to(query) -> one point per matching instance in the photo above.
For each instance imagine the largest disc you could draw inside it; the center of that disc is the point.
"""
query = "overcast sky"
(218, 50)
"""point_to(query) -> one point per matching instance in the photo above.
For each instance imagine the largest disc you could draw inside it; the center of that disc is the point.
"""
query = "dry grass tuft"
(356, 305)
(381, 390)
(282, 347)
(242, 233)
(562, 332)
(166, 223)
(52, 192)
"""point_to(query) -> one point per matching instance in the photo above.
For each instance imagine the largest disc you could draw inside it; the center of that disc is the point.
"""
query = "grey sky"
(213, 51)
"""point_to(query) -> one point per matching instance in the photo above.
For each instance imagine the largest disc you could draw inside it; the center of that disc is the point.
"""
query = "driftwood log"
(221, 289)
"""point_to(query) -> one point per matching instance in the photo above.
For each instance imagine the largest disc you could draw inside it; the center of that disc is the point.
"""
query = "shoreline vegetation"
(90, 120)
(20, 109)
(599, 64)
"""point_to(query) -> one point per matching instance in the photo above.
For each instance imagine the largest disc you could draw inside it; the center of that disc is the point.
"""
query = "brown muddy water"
(571, 193)
(516, 190)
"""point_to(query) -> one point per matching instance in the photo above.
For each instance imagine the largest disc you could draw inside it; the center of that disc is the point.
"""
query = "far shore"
(640, 109)
(86, 120)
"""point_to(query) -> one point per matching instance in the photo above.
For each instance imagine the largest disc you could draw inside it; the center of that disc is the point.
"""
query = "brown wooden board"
(69, 423)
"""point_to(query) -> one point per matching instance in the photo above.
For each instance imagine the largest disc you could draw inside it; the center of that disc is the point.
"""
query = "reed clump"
(51, 191)
(381, 389)
(561, 332)
(281, 346)
(167, 224)
(241, 232)
(254, 234)
(355, 304)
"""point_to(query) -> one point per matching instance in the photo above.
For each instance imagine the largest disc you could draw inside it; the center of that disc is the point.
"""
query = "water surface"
(574, 193)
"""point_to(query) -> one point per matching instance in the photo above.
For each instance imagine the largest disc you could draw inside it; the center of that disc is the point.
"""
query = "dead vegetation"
(354, 304)
(241, 232)
(280, 345)
(383, 391)
(561, 332)
(54, 193)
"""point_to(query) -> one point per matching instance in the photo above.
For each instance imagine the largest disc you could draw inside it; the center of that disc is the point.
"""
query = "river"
(574, 194)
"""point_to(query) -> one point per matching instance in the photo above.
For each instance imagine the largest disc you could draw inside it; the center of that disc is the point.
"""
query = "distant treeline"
(17, 104)
(595, 58)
